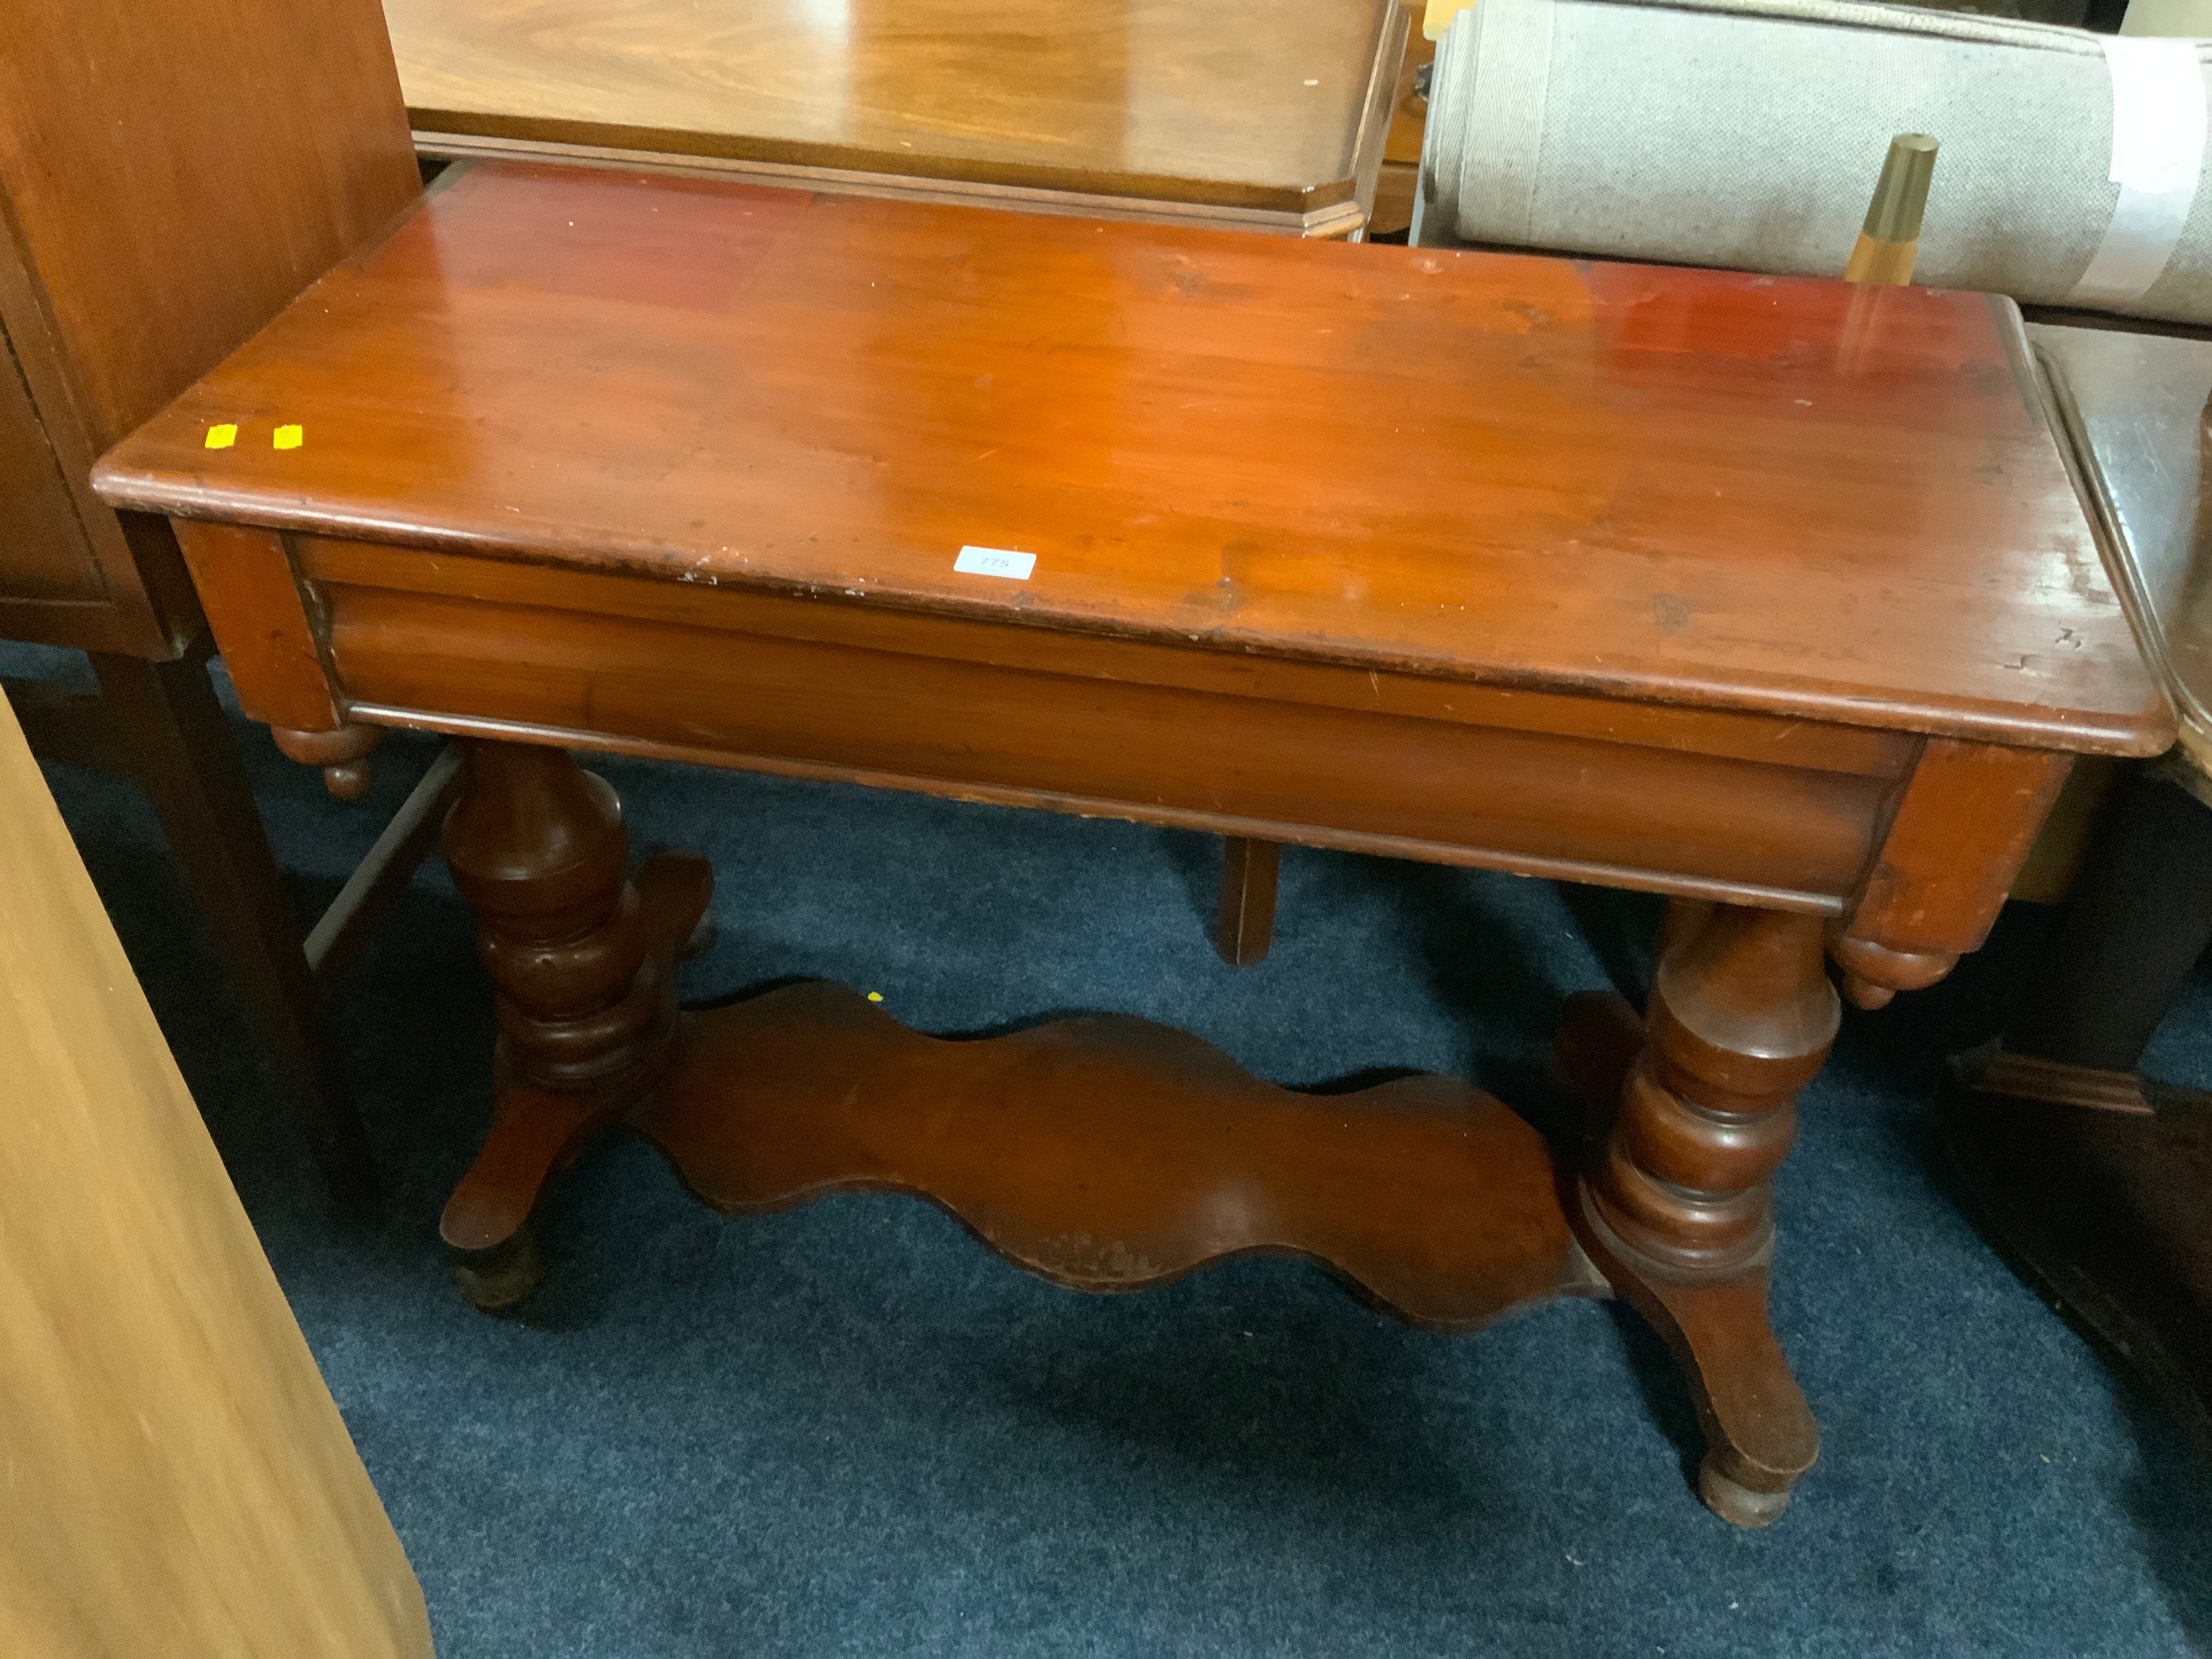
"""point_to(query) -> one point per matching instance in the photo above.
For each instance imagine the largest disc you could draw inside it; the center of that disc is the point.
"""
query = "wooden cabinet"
(1256, 120)
(172, 174)
(172, 171)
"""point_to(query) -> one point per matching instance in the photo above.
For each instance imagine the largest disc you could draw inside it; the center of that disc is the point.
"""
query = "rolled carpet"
(1748, 134)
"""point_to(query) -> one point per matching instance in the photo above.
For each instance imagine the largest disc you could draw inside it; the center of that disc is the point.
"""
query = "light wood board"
(177, 1479)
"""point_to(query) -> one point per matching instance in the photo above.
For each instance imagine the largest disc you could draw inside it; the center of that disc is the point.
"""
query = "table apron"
(1441, 790)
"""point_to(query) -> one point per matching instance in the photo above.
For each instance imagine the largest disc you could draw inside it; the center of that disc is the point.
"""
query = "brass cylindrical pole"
(1889, 241)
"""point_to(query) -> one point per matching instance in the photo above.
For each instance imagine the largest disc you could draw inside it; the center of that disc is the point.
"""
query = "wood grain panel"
(172, 174)
(1962, 831)
(1013, 642)
(1111, 1154)
(178, 1480)
(260, 618)
(48, 557)
(270, 143)
(1142, 98)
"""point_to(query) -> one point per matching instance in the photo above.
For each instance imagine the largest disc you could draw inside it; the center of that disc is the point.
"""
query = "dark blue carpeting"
(850, 1429)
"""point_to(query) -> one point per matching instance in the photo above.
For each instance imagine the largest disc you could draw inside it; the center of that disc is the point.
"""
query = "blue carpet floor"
(850, 1429)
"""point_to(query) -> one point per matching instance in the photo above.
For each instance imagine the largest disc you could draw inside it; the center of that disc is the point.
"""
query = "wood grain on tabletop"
(1148, 97)
(1791, 496)
(179, 1481)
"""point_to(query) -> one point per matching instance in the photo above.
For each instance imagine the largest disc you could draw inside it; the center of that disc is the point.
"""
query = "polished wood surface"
(1115, 98)
(2139, 408)
(236, 149)
(178, 1480)
(1774, 597)
(1703, 802)
(1109, 1154)
(1787, 495)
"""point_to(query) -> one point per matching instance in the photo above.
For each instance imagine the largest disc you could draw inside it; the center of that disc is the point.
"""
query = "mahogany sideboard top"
(1274, 118)
(1665, 485)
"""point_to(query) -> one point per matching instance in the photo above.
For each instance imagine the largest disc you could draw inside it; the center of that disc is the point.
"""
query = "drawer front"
(1675, 799)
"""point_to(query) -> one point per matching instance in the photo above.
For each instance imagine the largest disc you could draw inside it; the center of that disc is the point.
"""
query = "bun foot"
(347, 779)
(1735, 1502)
(502, 1278)
(343, 755)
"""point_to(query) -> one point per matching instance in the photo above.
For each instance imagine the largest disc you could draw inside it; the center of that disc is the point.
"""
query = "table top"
(1156, 98)
(1678, 486)
(2143, 407)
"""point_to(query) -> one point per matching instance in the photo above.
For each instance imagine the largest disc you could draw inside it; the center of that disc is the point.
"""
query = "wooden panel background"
(172, 171)
(1122, 98)
(179, 1481)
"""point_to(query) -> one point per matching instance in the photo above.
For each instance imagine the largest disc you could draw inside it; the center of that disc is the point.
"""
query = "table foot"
(502, 1278)
(1760, 1435)
(1738, 1505)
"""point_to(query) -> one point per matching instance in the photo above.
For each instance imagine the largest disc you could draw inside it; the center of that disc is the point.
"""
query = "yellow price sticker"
(222, 435)
(289, 437)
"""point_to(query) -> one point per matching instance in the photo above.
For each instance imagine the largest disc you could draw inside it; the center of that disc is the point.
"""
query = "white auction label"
(2158, 145)
(994, 561)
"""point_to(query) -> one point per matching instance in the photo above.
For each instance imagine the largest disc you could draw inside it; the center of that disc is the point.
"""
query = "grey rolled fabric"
(1748, 134)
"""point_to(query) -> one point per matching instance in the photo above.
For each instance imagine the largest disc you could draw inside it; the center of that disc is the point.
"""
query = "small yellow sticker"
(289, 437)
(875, 996)
(222, 435)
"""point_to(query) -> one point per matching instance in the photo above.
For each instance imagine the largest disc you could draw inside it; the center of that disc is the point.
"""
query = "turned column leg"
(582, 959)
(1675, 1202)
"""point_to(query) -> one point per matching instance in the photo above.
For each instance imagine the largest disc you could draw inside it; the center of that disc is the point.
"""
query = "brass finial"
(1900, 197)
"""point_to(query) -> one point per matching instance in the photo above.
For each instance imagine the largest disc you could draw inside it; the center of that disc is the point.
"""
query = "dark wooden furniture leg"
(2139, 917)
(170, 735)
(2094, 1181)
(583, 960)
(1674, 1208)
(1247, 924)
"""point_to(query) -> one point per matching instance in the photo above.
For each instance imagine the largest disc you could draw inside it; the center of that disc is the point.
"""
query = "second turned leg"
(582, 959)
(1675, 1202)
